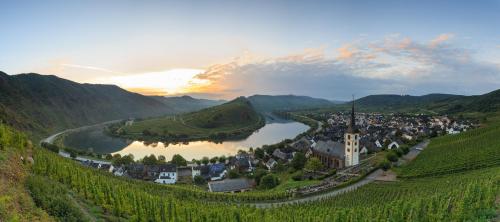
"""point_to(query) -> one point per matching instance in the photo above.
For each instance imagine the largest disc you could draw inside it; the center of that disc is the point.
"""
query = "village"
(335, 152)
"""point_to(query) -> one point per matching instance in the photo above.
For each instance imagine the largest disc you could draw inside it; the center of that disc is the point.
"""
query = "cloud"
(394, 64)
(441, 38)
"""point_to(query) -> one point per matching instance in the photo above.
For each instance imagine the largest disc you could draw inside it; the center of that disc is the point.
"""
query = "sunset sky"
(223, 49)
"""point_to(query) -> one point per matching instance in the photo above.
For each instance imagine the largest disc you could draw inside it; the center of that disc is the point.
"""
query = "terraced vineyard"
(457, 194)
(454, 153)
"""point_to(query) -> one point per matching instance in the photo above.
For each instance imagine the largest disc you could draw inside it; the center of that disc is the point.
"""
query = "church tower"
(352, 141)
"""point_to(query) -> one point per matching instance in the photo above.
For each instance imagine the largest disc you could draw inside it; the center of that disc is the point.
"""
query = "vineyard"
(454, 153)
(466, 195)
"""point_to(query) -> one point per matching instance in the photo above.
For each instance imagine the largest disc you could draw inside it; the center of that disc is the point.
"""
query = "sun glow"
(168, 82)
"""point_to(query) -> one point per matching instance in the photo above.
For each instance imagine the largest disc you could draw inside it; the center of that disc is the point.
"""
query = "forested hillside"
(42, 104)
(266, 103)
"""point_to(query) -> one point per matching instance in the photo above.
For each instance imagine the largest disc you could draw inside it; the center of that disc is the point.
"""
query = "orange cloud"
(346, 52)
(441, 38)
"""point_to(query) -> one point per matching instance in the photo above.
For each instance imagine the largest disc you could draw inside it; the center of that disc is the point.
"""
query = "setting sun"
(168, 82)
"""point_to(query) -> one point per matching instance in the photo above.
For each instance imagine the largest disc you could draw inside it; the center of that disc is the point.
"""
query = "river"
(95, 140)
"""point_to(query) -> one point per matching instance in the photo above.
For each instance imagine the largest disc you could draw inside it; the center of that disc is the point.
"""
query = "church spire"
(351, 128)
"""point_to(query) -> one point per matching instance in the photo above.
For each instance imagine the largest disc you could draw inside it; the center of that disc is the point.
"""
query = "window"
(356, 137)
(348, 137)
(348, 143)
(355, 150)
(355, 143)
(348, 150)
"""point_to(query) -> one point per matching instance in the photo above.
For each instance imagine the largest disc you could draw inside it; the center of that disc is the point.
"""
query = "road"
(368, 179)
(62, 153)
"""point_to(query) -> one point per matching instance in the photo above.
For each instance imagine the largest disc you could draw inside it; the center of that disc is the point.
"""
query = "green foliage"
(150, 160)
(199, 180)
(299, 161)
(178, 160)
(233, 174)
(385, 165)
(119, 160)
(54, 199)
(269, 181)
(314, 164)
(392, 156)
(231, 120)
(297, 176)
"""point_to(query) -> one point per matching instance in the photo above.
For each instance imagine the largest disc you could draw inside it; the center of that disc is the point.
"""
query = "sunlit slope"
(474, 149)
(232, 119)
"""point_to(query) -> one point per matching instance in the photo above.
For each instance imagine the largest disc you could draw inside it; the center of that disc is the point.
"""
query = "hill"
(431, 103)
(184, 104)
(266, 103)
(43, 104)
(234, 119)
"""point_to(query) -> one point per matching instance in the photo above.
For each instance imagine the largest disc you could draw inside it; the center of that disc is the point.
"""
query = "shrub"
(269, 181)
(392, 156)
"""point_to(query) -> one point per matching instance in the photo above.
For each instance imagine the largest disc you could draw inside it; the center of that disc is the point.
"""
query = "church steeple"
(352, 128)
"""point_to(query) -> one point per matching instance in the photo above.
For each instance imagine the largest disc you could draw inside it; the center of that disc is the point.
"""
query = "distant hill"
(42, 104)
(394, 103)
(184, 104)
(434, 103)
(265, 103)
(234, 119)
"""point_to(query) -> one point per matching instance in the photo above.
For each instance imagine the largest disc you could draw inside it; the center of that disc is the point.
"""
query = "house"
(184, 174)
(119, 171)
(230, 185)
(202, 171)
(136, 171)
(330, 153)
(217, 171)
(271, 163)
(242, 164)
(378, 144)
(302, 144)
(363, 150)
(167, 174)
(282, 155)
(452, 131)
(393, 145)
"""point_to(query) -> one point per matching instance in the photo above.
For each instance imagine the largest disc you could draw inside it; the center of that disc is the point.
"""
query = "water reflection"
(269, 134)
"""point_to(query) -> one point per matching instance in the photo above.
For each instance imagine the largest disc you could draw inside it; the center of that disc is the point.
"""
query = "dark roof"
(184, 171)
(230, 185)
(330, 148)
(167, 168)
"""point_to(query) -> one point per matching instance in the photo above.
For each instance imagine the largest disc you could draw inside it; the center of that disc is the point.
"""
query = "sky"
(224, 49)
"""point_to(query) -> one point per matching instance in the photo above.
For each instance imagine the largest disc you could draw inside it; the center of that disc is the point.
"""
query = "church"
(337, 155)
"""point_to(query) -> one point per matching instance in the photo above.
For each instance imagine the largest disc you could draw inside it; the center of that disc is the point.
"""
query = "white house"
(393, 145)
(378, 144)
(271, 163)
(364, 150)
(452, 131)
(168, 174)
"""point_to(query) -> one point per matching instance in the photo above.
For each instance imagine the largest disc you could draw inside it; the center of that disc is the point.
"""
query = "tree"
(205, 160)
(259, 173)
(392, 156)
(385, 165)
(298, 161)
(222, 159)
(314, 164)
(178, 160)
(109, 156)
(150, 160)
(259, 153)
(297, 176)
(269, 181)
(72, 154)
(213, 160)
(199, 180)
(162, 159)
(233, 174)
